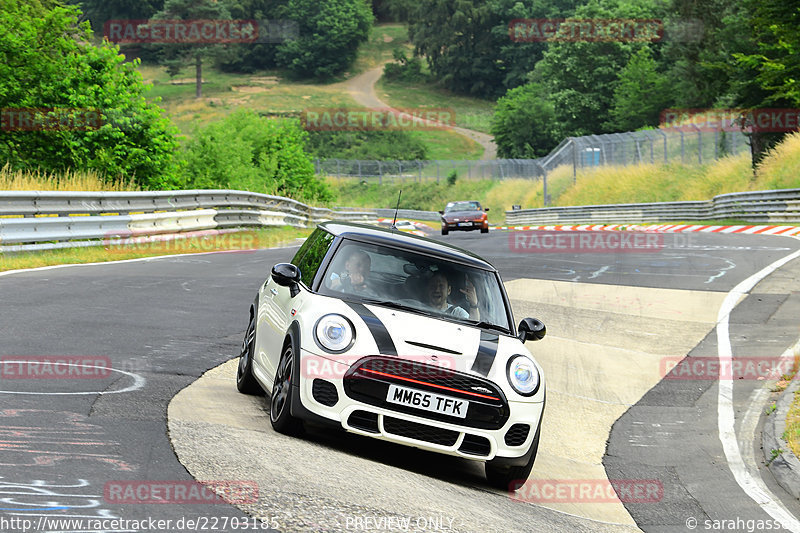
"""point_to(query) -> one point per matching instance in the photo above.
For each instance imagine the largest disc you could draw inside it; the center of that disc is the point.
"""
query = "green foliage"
(580, 78)
(47, 61)
(641, 93)
(524, 124)
(177, 56)
(100, 11)
(368, 145)
(467, 43)
(452, 176)
(329, 35)
(392, 10)
(404, 68)
(248, 152)
(250, 57)
(776, 26)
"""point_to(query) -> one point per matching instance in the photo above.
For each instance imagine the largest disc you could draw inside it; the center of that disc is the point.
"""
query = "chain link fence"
(646, 146)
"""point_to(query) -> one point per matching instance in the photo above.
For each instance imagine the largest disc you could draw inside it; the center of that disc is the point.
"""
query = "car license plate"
(427, 401)
(464, 224)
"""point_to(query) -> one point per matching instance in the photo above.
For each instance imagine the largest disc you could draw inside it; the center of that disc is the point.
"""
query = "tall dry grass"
(84, 181)
(780, 169)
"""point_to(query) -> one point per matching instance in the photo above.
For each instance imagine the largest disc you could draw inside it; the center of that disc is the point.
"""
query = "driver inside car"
(354, 278)
(438, 292)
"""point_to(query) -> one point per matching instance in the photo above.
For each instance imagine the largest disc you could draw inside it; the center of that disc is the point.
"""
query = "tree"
(580, 78)
(100, 11)
(769, 75)
(468, 45)
(329, 35)
(248, 152)
(174, 55)
(50, 71)
(524, 123)
(641, 94)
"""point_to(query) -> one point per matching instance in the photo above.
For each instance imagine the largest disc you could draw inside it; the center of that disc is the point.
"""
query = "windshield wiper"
(387, 303)
(489, 325)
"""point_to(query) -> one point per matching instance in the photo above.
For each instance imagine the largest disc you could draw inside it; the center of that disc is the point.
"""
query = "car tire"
(245, 381)
(484, 230)
(280, 405)
(510, 478)
(444, 231)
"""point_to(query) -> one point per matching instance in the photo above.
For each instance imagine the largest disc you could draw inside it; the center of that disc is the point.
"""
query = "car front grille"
(413, 430)
(517, 434)
(364, 420)
(475, 445)
(368, 381)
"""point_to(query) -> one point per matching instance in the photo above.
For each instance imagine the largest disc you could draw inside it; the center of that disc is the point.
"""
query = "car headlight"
(334, 333)
(523, 375)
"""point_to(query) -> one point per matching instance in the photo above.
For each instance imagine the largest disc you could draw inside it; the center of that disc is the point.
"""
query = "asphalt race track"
(70, 443)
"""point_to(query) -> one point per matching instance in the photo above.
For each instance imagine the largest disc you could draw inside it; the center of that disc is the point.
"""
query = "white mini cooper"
(400, 338)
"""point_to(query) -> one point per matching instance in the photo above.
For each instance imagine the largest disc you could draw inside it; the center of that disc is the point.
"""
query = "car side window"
(309, 257)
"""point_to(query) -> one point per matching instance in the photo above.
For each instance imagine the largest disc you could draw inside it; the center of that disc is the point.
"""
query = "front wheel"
(245, 382)
(444, 231)
(510, 478)
(484, 230)
(280, 408)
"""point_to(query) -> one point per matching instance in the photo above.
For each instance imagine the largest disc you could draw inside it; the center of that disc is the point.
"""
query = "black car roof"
(406, 241)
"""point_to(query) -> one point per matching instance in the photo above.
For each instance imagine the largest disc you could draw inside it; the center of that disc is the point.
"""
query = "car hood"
(386, 331)
(469, 215)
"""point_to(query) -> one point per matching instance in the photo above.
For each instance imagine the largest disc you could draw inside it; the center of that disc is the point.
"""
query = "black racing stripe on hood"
(487, 351)
(379, 332)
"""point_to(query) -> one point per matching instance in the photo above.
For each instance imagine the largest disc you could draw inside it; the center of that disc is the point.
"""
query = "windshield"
(463, 206)
(385, 275)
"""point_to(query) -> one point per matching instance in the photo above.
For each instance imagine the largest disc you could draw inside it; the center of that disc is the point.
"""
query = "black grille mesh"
(364, 420)
(516, 434)
(413, 430)
(324, 392)
(475, 445)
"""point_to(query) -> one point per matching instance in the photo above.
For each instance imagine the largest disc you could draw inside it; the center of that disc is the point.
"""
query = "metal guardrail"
(31, 220)
(779, 206)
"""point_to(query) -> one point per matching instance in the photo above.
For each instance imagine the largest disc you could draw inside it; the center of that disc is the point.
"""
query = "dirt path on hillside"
(362, 89)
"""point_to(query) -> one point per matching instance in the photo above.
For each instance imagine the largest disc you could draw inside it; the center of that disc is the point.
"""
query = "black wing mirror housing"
(531, 329)
(287, 275)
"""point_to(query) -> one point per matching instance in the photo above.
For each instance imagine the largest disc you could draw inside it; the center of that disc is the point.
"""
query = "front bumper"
(507, 436)
(465, 225)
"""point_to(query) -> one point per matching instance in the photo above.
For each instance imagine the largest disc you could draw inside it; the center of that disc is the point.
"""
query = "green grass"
(383, 39)
(265, 92)
(471, 113)
(243, 241)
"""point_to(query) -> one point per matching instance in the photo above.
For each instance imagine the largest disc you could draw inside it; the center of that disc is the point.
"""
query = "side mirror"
(531, 329)
(287, 275)
(486, 209)
(441, 212)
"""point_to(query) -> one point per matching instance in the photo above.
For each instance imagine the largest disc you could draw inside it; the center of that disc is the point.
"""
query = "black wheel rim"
(247, 345)
(280, 391)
